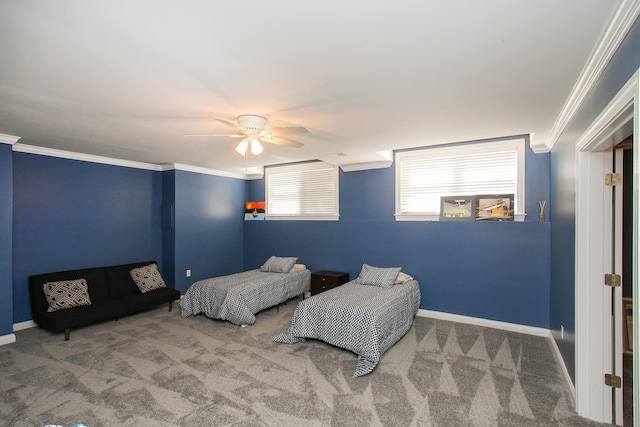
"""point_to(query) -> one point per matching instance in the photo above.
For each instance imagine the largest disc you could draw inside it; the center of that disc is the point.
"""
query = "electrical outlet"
(188, 273)
(561, 331)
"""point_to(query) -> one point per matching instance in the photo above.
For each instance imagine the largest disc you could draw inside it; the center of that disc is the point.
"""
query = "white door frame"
(593, 251)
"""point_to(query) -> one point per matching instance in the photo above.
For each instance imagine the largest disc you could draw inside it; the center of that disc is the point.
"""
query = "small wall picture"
(254, 211)
(457, 208)
(494, 207)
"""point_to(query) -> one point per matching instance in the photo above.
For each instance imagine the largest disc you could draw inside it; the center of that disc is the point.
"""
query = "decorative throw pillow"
(297, 267)
(403, 278)
(147, 278)
(376, 276)
(66, 294)
(278, 264)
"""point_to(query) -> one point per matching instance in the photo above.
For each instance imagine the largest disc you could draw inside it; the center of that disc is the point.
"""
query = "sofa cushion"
(66, 294)
(147, 278)
(151, 299)
(60, 320)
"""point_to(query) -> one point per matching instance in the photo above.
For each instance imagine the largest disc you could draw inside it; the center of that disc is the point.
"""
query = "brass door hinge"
(613, 280)
(613, 381)
(611, 179)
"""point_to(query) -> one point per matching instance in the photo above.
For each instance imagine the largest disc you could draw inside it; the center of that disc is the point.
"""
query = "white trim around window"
(424, 175)
(305, 191)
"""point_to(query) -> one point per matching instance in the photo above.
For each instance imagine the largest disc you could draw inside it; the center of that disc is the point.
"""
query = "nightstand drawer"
(325, 280)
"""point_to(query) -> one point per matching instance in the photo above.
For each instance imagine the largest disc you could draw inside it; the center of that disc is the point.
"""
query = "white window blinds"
(304, 191)
(423, 176)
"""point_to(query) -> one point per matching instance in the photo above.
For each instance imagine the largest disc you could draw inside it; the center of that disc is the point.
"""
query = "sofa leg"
(170, 305)
(67, 332)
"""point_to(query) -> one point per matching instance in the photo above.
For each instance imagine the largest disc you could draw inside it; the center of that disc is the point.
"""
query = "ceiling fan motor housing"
(251, 123)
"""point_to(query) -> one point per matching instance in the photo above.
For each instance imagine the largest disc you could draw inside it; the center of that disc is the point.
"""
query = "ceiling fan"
(252, 129)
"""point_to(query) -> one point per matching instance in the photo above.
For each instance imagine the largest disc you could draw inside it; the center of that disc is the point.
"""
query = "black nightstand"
(324, 280)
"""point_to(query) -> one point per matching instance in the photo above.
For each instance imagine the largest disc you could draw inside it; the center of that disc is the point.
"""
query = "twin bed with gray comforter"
(366, 316)
(238, 297)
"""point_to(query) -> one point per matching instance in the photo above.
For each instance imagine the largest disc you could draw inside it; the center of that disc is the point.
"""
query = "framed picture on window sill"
(457, 208)
(494, 207)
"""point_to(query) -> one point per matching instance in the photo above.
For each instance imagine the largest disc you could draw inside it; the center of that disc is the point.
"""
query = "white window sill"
(301, 218)
(436, 217)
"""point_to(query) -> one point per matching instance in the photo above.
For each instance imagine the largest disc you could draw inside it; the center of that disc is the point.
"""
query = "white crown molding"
(613, 34)
(8, 139)
(615, 117)
(52, 152)
(365, 166)
(205, 171)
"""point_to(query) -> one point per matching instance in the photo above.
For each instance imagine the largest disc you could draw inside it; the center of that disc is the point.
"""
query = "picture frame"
(457, 208)
(254, 211)
(494, 207)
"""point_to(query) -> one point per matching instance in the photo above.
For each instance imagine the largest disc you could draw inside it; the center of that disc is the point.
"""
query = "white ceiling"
(128, 79)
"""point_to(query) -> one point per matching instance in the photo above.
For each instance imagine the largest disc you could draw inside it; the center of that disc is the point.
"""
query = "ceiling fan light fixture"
(256, 148)
(242, 147)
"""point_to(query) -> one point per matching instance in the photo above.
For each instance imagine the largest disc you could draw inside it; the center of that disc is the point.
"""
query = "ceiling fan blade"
(289, 130)
(226, 136)
(279, 140)
(227, 122)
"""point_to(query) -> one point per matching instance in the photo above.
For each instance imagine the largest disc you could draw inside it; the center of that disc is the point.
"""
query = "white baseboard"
(7, 339)
(512, 327)
(24, 325)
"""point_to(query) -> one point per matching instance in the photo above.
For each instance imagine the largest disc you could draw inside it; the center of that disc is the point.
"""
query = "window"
(307, 191)
(423, 176)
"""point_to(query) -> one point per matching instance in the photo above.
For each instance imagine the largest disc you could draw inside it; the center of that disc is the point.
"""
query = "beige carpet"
(159, 369)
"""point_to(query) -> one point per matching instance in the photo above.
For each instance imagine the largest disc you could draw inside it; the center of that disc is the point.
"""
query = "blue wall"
(208, 221)
(563, 191)
(6, 232)
(72, 214)
(498, 271)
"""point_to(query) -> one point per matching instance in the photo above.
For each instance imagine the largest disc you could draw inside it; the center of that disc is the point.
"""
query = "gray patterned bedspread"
(238, 297)
(364, 319)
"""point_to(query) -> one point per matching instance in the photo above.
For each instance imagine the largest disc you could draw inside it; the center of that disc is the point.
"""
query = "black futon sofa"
(112, 292)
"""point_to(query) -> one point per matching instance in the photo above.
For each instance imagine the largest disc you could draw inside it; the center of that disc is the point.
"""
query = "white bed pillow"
(376, 276)
(278, 264)
(403, 278)
(297, 267)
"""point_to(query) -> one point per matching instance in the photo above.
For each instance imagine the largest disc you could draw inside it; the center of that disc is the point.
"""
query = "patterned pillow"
(383, 277)
(66, 294)
(147, 278)
(278, 264)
